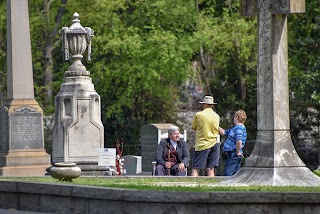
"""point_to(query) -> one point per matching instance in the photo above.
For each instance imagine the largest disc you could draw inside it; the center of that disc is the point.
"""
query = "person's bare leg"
(210, 172)
(195, 172)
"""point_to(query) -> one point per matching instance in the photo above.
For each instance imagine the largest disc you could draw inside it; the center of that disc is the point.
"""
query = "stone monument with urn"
(78, 131)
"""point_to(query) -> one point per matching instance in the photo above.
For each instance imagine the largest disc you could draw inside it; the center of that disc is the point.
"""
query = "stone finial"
(75, 40)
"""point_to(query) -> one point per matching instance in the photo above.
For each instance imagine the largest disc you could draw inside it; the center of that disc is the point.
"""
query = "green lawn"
(198, 185)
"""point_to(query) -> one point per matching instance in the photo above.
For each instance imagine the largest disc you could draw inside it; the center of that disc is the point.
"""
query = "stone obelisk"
(22, 150)
(274, 160)
(78, 132)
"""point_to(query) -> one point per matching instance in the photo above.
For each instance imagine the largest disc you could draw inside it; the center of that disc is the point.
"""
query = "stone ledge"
(67, 198)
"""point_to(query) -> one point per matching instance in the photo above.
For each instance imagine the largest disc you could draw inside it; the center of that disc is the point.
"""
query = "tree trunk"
(47, 78)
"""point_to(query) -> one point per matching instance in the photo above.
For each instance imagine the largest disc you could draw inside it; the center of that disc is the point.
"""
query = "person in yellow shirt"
(207, 150)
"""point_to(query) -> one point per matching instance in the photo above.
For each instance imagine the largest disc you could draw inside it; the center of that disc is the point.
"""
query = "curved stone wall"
(67, 198)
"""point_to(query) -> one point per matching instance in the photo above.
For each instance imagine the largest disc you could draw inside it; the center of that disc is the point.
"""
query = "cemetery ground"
(136, 195)
(164, 183)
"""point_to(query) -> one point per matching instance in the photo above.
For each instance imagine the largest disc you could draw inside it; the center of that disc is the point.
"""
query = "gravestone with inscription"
(150, 138)
(22, 150)
(78, 131)
(26, 129)
(273, 160)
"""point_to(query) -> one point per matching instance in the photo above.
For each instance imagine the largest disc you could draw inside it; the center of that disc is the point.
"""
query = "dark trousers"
(162, 171)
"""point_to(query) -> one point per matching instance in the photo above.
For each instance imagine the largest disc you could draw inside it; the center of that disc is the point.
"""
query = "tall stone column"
(274, 160)
(22, 150)
(78, 132)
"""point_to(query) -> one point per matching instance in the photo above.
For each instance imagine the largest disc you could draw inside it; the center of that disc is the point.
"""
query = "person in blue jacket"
(232, 151)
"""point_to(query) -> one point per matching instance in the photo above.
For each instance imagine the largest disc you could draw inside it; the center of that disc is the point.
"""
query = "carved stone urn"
(65, 171)
(75, 40)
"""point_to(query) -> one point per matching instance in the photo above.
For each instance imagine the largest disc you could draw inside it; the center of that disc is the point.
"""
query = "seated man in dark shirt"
(172, 155)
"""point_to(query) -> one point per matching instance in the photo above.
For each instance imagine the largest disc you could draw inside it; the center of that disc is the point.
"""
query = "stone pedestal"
(22, 150)
(24, 163)
(78, 132)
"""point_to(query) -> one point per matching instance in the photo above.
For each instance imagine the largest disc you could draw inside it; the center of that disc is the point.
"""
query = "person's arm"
(185, 155)
(238, 147)
(224, 132)
(221, 131)
(239, 135)
(194, 123)
(160, 152)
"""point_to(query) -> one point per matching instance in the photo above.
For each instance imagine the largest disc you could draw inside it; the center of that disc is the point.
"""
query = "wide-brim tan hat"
(208, 100)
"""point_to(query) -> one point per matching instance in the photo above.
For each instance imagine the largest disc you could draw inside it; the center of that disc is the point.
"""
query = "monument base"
(24, 163)
(14, 104)
(93, 170)
(78, 132)
(279, 176)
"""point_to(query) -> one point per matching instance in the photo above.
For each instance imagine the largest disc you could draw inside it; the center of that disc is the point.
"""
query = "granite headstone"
(132, 164)
(4, 129)
(150, 138)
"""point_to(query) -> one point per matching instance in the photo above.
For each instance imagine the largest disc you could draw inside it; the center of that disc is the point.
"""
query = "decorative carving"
(25, 109)
(282, 6)
(253, 7)
(265, 8)
(76, 40)
(264, 5)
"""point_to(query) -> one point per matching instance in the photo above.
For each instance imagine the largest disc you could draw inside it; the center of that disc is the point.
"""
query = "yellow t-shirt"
(206, 124)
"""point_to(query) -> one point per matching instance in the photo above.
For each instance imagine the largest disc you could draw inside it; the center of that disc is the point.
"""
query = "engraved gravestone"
(26, 129)
(150, 138)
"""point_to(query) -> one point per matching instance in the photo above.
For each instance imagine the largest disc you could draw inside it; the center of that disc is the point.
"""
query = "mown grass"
(201, 185)
(317, 172)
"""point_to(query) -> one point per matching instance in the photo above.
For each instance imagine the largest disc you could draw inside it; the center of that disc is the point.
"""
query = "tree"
(304, 72)
(144, 51)
(141, 54)
(227, 61)
(45, 22)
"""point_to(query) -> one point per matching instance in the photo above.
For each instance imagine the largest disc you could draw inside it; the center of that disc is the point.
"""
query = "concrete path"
(13, 211)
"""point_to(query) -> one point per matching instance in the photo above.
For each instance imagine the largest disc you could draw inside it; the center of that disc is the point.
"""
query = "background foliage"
(147, 54)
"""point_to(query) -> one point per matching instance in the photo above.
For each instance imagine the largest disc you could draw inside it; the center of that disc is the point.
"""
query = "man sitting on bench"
(172, 155)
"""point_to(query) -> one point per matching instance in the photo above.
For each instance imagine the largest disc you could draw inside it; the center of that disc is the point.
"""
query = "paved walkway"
(13, 211)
